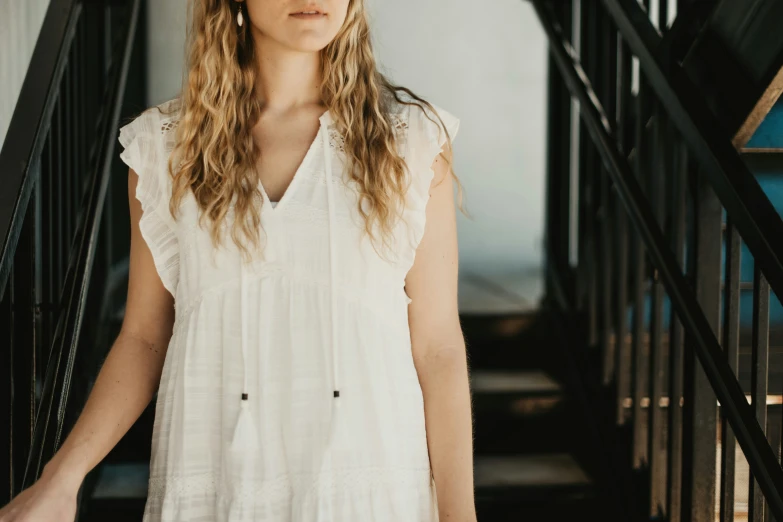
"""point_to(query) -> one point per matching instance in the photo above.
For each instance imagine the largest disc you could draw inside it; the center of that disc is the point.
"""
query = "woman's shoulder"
(147, 141)
(424, 124)
(420, 127)
(156, 123)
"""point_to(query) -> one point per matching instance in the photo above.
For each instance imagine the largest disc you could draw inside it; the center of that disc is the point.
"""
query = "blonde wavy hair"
(215, 155)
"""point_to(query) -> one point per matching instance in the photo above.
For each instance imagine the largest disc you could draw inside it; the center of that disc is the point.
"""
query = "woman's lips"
(303, 16)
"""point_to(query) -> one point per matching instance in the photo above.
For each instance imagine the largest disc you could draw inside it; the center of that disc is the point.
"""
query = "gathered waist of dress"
(380, 298)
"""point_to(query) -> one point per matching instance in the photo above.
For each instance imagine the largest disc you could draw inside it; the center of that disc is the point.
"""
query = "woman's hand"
(51, 499)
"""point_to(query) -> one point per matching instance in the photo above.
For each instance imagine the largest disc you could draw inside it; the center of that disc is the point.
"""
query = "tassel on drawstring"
(245, 436)
(244, 442)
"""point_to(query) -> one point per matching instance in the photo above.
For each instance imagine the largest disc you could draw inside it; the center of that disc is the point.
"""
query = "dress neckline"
(323, 121)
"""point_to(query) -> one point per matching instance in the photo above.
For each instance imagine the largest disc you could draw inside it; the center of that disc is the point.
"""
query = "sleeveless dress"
(289, 391)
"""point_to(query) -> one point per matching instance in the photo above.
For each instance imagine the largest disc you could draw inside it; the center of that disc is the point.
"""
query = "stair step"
(543, 507)
(501, 473)
(505, 395)
(116, 492)
(516, 341)
(486, 328)
(534, 382)
(127, 480)
(534, 427)
(544, 487)
(115, 510)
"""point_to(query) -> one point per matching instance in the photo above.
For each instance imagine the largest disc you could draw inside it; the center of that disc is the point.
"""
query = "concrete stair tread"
(116, 510)
(529, 382)
(528, 471)
(122, 480)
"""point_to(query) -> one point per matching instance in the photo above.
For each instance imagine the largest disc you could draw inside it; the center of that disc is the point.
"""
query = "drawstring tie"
(245, 436)
(332, 263)
(333, 298)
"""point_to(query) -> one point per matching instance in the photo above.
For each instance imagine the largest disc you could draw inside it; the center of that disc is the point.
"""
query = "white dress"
(249, 424)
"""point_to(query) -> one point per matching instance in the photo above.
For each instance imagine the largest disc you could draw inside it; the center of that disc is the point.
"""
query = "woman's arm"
(130, 375)
(439, 352)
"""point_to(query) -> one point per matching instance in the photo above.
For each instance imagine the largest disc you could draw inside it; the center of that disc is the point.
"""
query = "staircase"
(573, 410)
(664, 244)
(532, 442)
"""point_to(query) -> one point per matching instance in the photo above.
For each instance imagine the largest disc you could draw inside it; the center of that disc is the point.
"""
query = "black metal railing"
(54, 166)
(640, 179)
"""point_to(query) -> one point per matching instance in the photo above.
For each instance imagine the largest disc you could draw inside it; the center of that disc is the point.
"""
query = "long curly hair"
(215, 155)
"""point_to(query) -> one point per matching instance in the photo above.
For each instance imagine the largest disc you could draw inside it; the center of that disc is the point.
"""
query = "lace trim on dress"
(336, 139)
(398, 121)
(330, 482)
(168, 126)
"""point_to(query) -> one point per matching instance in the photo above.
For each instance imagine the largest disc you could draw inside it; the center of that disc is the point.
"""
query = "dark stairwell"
(664, 189)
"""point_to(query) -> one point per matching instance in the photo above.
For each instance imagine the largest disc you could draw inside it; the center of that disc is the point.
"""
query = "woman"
(316, 325)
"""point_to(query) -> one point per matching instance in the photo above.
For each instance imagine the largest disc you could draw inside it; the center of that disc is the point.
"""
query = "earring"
(240, 17)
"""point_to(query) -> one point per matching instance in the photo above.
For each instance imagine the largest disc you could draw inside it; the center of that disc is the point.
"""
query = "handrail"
(26, 133)
(57, 383)
(737, 189)
(763, 462)
(56, 169)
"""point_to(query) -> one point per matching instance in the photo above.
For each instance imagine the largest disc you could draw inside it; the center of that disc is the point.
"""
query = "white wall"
(486, 65)
(166, 48)
(485, 62)
(20, 23)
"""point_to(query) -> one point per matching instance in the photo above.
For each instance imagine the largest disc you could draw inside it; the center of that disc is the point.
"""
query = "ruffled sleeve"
(425, 140)
(142, 141)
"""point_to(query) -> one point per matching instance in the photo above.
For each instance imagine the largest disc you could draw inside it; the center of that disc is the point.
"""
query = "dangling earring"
(240, 17)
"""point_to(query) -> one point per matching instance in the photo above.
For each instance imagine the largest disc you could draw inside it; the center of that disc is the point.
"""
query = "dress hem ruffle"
(376, 489)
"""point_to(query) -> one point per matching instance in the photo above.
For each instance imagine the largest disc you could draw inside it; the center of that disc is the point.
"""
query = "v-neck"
(323, 121)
